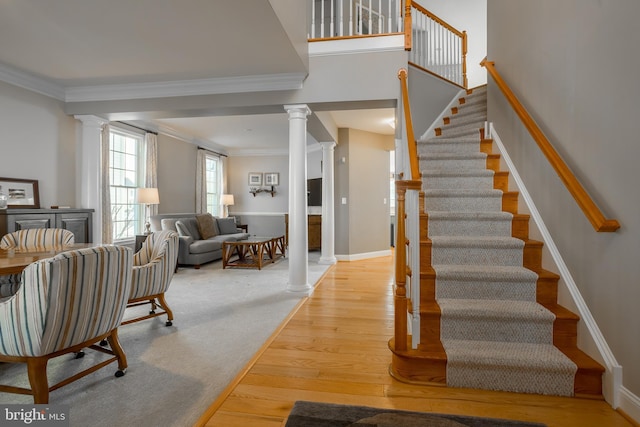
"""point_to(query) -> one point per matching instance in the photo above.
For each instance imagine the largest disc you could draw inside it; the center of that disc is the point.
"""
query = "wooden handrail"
(589, 208)
(411, 140)
(437, 19)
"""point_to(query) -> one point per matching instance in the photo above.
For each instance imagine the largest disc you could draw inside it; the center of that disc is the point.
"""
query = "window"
(212, 173)
(126, 170)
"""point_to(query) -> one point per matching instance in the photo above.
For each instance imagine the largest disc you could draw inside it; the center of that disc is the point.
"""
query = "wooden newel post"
(400, 297)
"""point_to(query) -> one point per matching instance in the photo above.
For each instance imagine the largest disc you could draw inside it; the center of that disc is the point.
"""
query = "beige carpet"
(221, 318)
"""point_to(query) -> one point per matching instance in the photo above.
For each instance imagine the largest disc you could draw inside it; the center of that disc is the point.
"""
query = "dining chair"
(64, 304)
(31, 239)
(153, 268)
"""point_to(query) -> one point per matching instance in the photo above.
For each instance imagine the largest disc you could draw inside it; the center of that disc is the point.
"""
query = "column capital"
(327, 145)
(300, 110)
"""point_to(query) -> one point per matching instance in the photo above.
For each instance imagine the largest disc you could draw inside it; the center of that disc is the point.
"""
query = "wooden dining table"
(14, 261)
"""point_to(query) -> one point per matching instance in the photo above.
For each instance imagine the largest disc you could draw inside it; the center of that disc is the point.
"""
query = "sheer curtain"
(151, 172)
(107, 227)
(201, 182)
(201, 179)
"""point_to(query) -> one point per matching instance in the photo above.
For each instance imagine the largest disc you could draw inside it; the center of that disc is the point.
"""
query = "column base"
(305, 289)
(327, 260)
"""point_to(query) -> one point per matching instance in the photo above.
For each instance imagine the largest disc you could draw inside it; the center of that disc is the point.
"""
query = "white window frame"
(213, 181)
(117, 191)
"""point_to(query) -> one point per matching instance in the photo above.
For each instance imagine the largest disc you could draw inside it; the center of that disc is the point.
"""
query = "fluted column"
(89, 191)
(298, 234)
(328, 219)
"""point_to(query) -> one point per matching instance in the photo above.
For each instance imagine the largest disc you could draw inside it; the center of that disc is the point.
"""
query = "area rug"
(315, 414)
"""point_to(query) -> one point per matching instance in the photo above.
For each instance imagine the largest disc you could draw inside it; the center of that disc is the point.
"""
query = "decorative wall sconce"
(271, 179)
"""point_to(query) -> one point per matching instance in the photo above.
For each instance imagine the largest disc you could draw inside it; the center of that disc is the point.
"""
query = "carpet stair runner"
(489, 312)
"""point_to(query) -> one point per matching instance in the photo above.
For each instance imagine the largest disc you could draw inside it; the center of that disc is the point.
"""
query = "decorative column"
(328, 217)
(298, 233)
(89, 190)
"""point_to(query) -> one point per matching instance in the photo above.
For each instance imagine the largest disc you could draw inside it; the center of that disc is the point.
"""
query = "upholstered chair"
(153, 268)
(31, 239)
(64, 304)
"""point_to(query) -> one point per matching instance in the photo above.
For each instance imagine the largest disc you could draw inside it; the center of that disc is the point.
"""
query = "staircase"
(489, 312)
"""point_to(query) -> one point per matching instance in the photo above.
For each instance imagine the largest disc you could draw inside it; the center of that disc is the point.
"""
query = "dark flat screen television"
(314, 192)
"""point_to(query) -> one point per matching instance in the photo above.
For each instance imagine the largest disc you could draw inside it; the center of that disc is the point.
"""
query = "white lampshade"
(147, 196)
(227, 199)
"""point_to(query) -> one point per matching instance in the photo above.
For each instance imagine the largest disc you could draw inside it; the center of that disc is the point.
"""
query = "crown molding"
(257, 83)
(30, 82)
(241, 152)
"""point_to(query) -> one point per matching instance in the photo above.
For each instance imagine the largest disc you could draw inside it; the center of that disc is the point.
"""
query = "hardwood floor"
(334, 349)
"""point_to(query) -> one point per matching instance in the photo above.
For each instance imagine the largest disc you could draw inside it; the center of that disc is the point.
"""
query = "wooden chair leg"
(114, 343)
(37, 371)
(163, 304)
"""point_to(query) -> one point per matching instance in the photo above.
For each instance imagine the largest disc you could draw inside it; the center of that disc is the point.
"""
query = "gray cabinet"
(78, 221)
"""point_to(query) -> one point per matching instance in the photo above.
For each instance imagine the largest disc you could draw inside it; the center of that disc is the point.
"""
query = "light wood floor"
(334, 349)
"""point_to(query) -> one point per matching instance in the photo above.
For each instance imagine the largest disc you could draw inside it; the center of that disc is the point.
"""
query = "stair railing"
(585, 202)
(355, 18)
(436, 46)
(407, 265)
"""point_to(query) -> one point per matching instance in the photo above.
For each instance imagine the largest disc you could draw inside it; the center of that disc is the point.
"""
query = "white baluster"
(331, 28)
(341, 18)
(313, 19)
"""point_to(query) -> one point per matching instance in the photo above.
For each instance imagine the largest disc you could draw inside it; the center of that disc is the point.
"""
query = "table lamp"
(227, 200)
(148, 196)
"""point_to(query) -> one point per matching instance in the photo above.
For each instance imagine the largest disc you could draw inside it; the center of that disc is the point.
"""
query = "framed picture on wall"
(271, 178)
(22, 193)
(255, 179)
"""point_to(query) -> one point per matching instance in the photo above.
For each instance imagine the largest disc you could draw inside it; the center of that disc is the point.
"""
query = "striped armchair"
(153, 268)
(66, 303)
(31, 239)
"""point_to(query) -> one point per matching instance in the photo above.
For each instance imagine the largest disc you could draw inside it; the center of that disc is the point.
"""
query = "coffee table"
(252, 252)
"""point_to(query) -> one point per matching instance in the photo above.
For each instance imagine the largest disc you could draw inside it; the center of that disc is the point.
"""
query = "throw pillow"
(207, 225)
(227, 225)
(188, 227)
(182, 229)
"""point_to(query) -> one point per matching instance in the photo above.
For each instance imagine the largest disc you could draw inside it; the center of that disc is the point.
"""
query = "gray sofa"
(192, 248)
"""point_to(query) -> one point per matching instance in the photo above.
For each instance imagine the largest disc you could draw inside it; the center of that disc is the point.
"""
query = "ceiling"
(71, 45)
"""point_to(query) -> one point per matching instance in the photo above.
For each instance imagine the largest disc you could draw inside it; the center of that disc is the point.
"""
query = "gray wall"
(363, 223)
(576, 76)
(429, 96)
(176, 175)
(38, 142)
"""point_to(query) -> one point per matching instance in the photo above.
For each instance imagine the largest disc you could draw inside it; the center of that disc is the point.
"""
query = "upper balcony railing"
(433, 45)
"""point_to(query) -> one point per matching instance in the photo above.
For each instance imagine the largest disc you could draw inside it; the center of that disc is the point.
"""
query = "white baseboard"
(361, 256)
(630, 404)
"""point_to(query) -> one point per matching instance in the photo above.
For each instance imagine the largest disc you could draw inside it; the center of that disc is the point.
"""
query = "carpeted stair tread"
(473, 223)
(452, 179)
(453, 173)
(454, 145)
(477, 242)
(495, 320)
(463, 199)
(516, 367)
(485, 282)
(485, 273)
(470, 250)
(476, 116)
